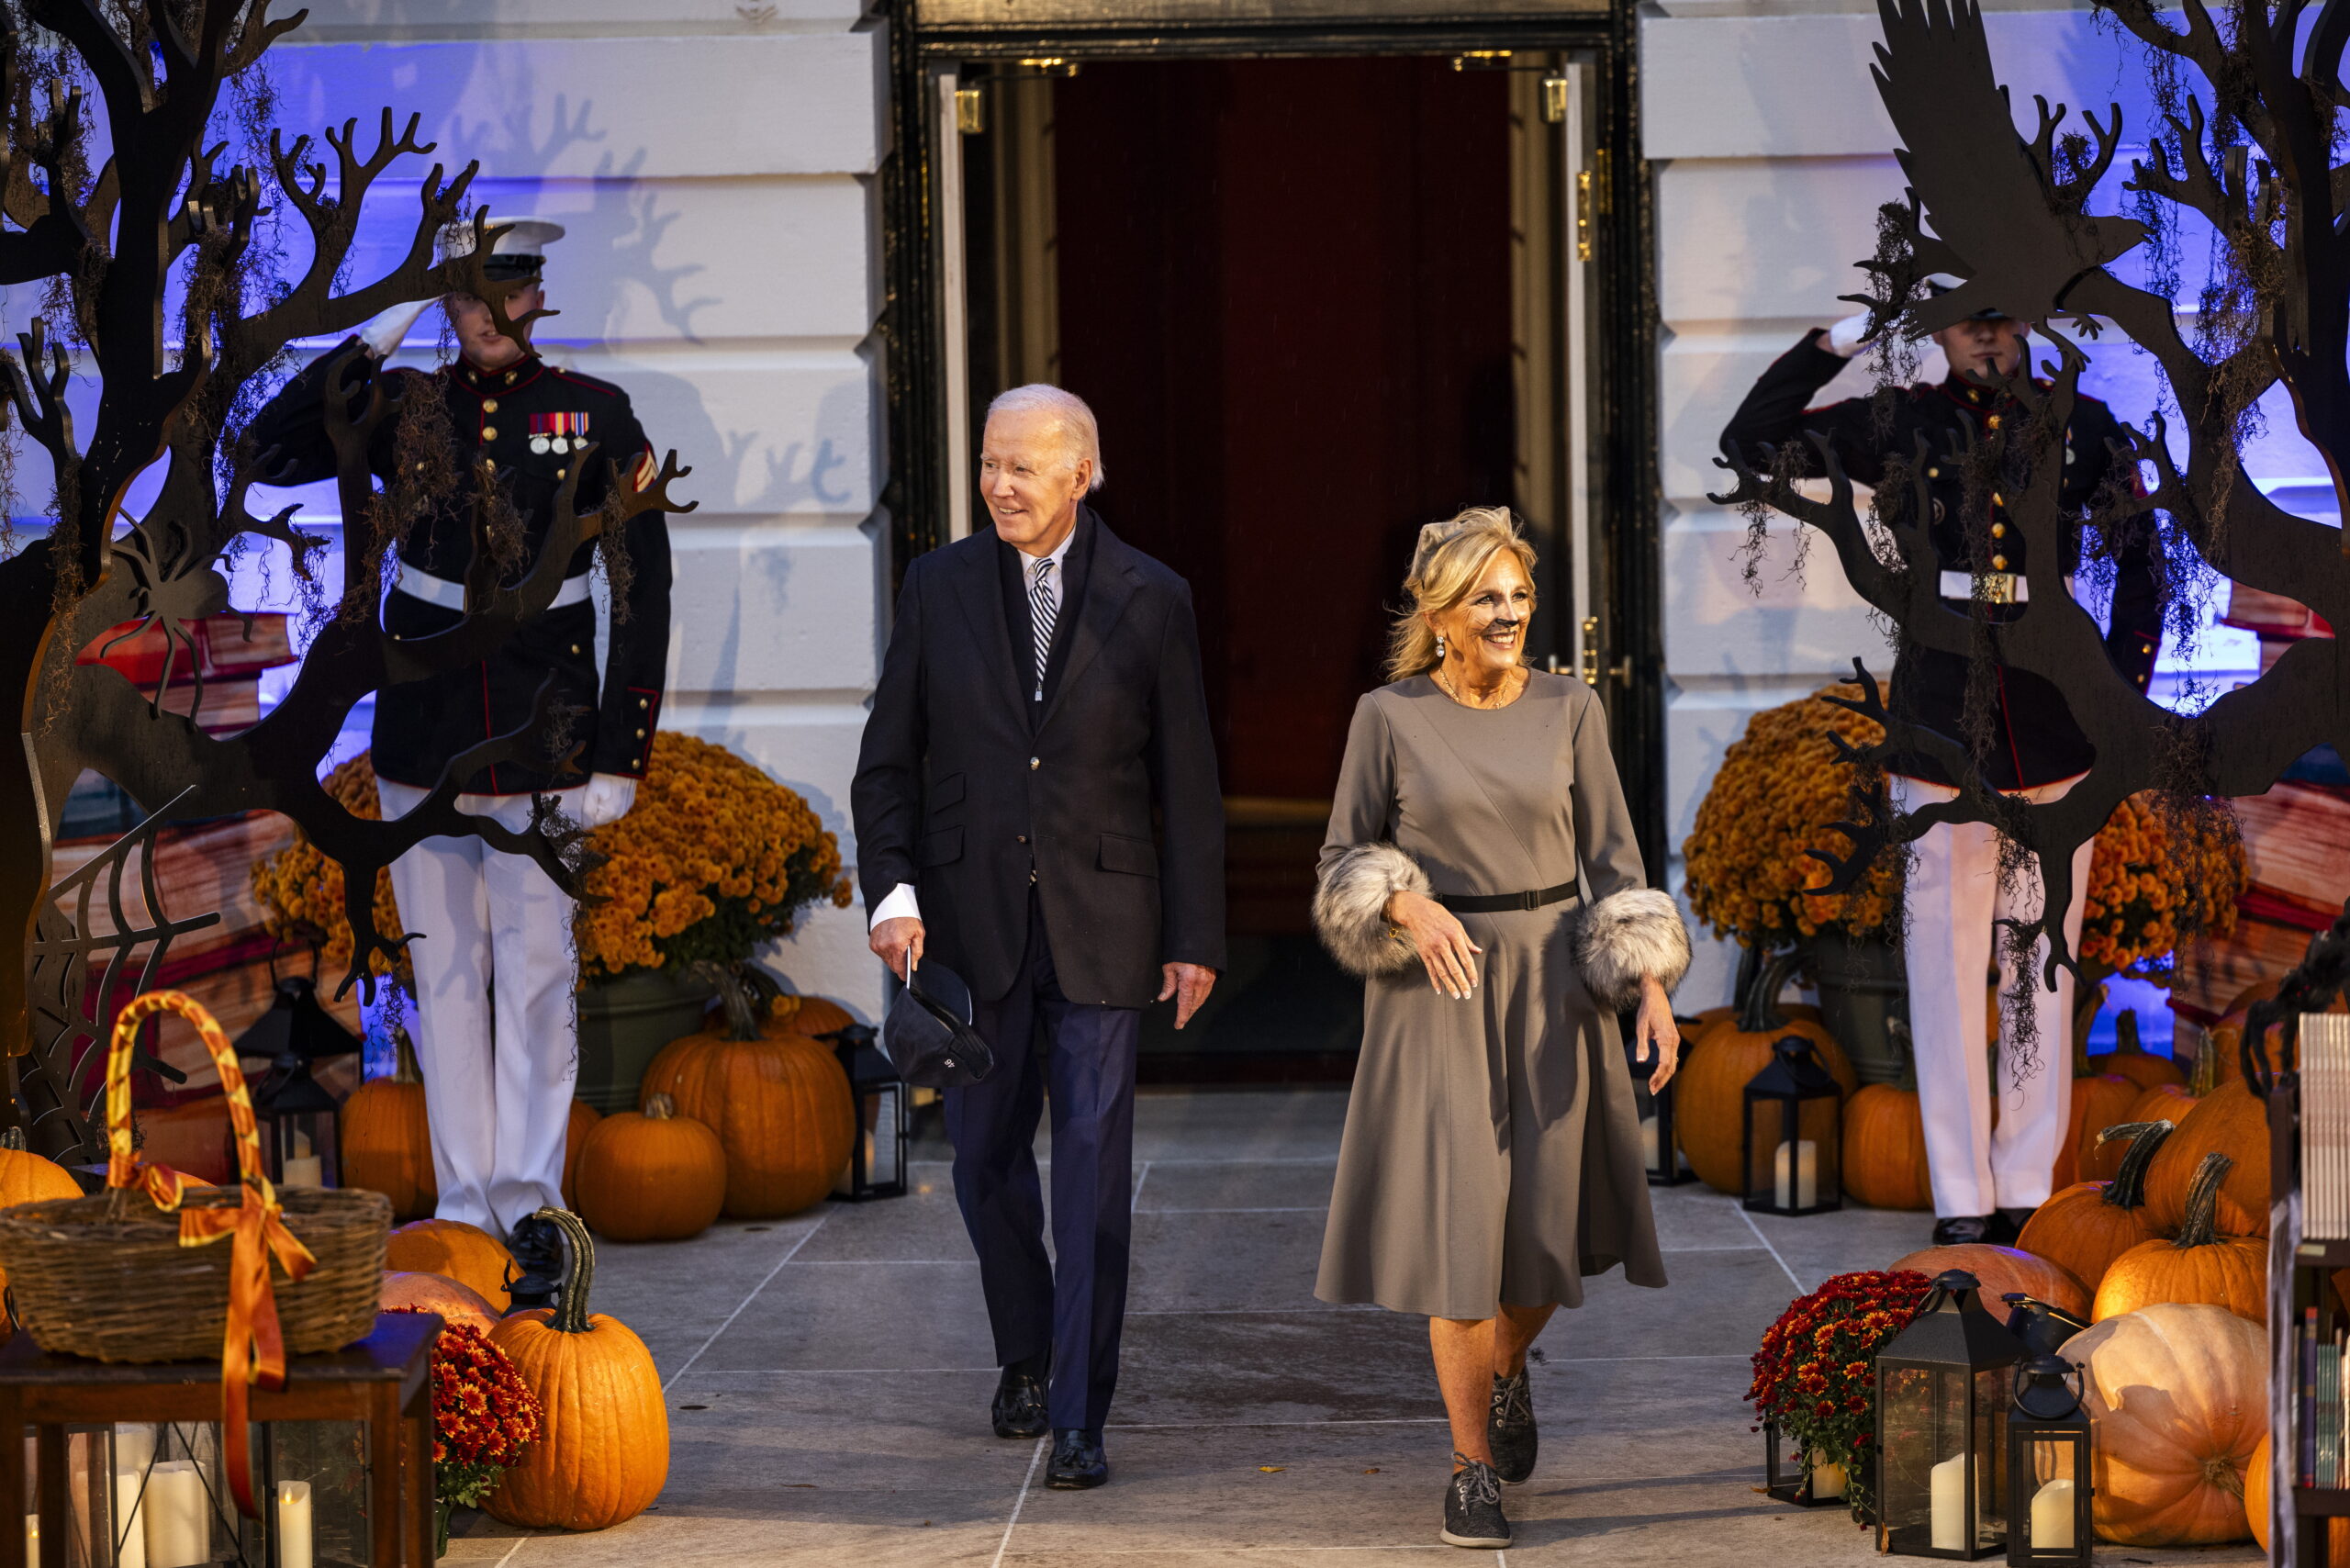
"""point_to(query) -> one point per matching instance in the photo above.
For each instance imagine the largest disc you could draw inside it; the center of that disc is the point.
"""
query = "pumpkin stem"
(2205, 1077)
(1897, 1029)
(2202, 1228)
(404, 1068)
(1761, 1013)
(659, 1107)
(735, 998)
(578, 1271)
(2128, 1188)
(2125, 1034)
(13, 1137)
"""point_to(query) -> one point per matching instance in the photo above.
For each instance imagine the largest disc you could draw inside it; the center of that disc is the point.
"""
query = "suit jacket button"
(1034, 764)
(489, 433)
(640, 734)
(489, 404)
(574, 650)
(1019, 838)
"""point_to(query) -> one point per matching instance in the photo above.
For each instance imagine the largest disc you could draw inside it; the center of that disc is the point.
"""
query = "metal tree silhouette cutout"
(2009, 215)
(149, 256)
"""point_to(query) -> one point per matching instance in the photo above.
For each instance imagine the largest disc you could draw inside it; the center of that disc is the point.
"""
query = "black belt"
(1494, 903)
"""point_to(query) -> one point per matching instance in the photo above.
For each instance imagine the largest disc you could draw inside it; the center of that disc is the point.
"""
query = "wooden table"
(385, 1380)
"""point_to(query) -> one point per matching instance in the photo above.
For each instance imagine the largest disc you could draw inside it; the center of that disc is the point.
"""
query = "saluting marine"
(1985, 1181)
(496, 931)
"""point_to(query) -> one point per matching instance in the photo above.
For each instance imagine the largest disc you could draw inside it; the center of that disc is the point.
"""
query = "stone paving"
(829, 1375)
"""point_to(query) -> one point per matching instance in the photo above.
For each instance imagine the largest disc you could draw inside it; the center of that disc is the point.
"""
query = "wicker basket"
(106, 1276)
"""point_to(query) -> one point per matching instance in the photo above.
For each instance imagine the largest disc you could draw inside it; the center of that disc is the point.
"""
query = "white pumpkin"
(2179, 1396)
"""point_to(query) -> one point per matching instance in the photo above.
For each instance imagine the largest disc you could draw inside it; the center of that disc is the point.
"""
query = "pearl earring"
(1439, 645)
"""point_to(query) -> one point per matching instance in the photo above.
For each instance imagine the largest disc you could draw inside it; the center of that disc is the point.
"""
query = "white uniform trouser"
(1953, 897)
(497, 1092)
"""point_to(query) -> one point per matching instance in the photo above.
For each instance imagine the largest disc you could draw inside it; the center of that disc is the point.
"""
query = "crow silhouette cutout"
(1990, 195)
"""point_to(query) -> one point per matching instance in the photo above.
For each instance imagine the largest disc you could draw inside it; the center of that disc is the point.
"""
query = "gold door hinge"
(1554, 99)
(1482, 59)
(970, 111)
(1591, 650)
(1582, 214)
(1049, 65)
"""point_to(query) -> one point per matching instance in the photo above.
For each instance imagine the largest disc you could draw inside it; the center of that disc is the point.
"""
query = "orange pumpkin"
(386, 1139)
(465, 1253)
(2100, 1100)
(1709, 1095)
(1882, 1145)
(603, 1450)
(2258, 1502)
(2178, 1394)
(780, 1105)
(27, 1178)
(2085, 1227)
(2197, 1265)
(583, 1121)
(810, 1015)
(2164, 1102)
(651, 1176)
(2231, 1120)
(2131, 1061)
(437, 1292)
(2003, 1270)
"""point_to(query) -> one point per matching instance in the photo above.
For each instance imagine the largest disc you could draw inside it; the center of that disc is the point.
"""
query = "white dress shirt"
(901, 904)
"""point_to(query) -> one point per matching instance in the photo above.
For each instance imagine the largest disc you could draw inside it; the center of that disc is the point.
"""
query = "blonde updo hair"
(1451, 557)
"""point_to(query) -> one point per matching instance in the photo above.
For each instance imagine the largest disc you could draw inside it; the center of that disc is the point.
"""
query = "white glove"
(606, 799)
(384, 332)
(1847, 337)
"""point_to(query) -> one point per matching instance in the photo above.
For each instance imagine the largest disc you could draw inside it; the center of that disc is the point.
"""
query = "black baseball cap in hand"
(928, 1036)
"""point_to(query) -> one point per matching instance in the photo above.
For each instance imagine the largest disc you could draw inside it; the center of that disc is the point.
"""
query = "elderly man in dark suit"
(1040, 704)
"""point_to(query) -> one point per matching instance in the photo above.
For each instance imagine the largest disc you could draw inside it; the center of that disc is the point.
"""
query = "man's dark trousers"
(1088, 1064)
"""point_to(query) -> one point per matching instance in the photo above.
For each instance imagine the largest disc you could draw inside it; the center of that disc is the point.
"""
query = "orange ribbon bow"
(253, 1350)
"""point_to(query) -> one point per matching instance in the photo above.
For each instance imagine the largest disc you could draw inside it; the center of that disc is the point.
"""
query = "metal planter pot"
(624, 1023)
(1863, 988)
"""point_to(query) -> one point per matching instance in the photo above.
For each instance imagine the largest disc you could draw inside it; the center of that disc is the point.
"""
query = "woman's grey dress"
(1492, 1149)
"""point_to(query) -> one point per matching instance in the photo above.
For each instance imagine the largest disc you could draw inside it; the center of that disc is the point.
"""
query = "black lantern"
(1793, 1111)
(1941, 1385)
(876, 1156)
(1659, 1143)
(1792, 1475)
(2042, 1328)
(2048, 1468)
(296, 1113)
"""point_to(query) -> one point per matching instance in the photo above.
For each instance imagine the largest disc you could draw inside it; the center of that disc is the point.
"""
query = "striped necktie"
(1044, 610)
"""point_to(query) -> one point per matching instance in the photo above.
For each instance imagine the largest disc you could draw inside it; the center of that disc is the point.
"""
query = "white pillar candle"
(1797, 1175)
(302, 1171)
(129, 1520)
(1647, 1143)
(178, 1526)
(32, 1540)
(1827, 1479)
(293, 1524)
(1949, 1507)
(2052, 1518)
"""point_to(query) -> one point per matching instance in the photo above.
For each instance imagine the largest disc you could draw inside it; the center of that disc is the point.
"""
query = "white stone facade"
(714, 162)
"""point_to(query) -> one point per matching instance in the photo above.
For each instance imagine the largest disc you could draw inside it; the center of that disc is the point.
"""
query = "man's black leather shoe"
(1958, 1230)
(1019, 1407)
(1078, 1461)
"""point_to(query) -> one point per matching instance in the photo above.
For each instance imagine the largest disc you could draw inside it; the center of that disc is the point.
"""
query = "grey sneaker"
(1510, 1430)
(1472, 1508)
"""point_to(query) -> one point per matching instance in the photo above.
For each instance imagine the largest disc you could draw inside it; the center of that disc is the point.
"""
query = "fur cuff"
(1628, 937)
(1349, 908)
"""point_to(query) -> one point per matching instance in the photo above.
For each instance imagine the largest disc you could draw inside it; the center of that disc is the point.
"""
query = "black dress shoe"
(1078, 1461)
(2007, 1227)
(1960, 1231)
(1018, 1409)
(1472, 1508)
(1509, 1429)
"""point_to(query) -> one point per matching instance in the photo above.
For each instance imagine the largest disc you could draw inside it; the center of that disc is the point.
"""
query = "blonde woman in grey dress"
(1481, 874)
